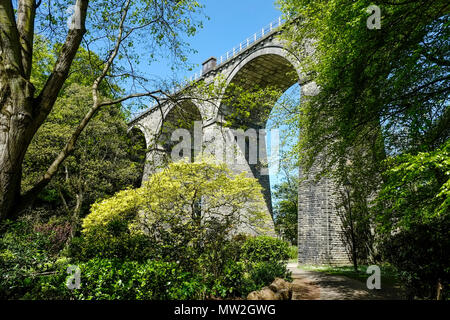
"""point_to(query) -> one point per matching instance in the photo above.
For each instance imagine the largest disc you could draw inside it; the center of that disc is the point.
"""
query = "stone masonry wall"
(319, 227)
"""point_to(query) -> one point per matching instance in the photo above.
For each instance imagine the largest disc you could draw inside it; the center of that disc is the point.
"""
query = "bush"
(263, 273)
(420, 254)
(293, 252)
(24, 255)
(229, 276)
(51, 286)
(232, 282)
(265, 249)
(265, 259)
(112, 279)
(171, 212)
(122, 247)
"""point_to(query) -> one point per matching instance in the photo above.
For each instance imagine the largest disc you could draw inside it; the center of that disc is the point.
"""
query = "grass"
(389, 276)
(293, 253)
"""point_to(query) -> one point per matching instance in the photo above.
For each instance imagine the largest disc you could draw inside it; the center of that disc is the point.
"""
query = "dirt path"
(313, 285)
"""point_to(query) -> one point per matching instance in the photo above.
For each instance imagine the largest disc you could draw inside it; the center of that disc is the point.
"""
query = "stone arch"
(137, 126)
(273, 50)
(268, 66)
(179, 107)
(182, 115)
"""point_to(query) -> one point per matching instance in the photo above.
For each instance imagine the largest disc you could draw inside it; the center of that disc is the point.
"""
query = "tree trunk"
(16, 94)
(352, 232)
(77, 210)
(438, 290)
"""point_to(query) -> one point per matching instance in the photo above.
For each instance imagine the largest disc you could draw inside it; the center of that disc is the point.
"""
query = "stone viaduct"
(262, 60)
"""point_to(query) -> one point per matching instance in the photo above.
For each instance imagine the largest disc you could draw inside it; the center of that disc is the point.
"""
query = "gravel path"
(314, 285)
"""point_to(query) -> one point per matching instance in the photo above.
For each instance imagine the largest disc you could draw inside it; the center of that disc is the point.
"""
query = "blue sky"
(230, 22)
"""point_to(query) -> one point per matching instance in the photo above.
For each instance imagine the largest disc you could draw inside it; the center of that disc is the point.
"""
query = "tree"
(358, 180)
(416, 189)
(101, 165)
(186, 210)
(353, 211)
(385, 87)
(413, 215)
(113, 27)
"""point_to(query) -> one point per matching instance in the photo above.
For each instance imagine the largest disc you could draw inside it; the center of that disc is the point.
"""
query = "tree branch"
(54, 83)
(25, 24)
(10, 51)
(131, 96)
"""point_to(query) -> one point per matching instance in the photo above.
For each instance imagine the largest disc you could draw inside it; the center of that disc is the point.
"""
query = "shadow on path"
(314, 285)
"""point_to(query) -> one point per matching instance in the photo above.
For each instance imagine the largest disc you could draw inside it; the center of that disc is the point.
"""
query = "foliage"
(122, 246)
(266, 258)
(100, 165)
(265, 249)
(162, 220)
(263, 273)
(293, 252)
(84, 69)
(28, 250)
(31, 271)
(245, 107)
(383, 95)
(353, 211)
(412, 213)
(169, 239)
(115, 30)
(416, 189)
(233, 280)
(396, 77)
(152, 279)
(110, 279)
(286, 209)
(256, 262)
(420, 253)
(104, 279)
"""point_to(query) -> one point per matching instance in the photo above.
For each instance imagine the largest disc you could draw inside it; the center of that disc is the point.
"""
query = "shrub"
(293, 252)
(51, 285)
(181, 210)
(109, 279)
(123, 247)
(120, 278)
(235, 281)
(113, 279)
(421, 255)
(265, 249)
(265, 259)
(23, 256)
(263, 273)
